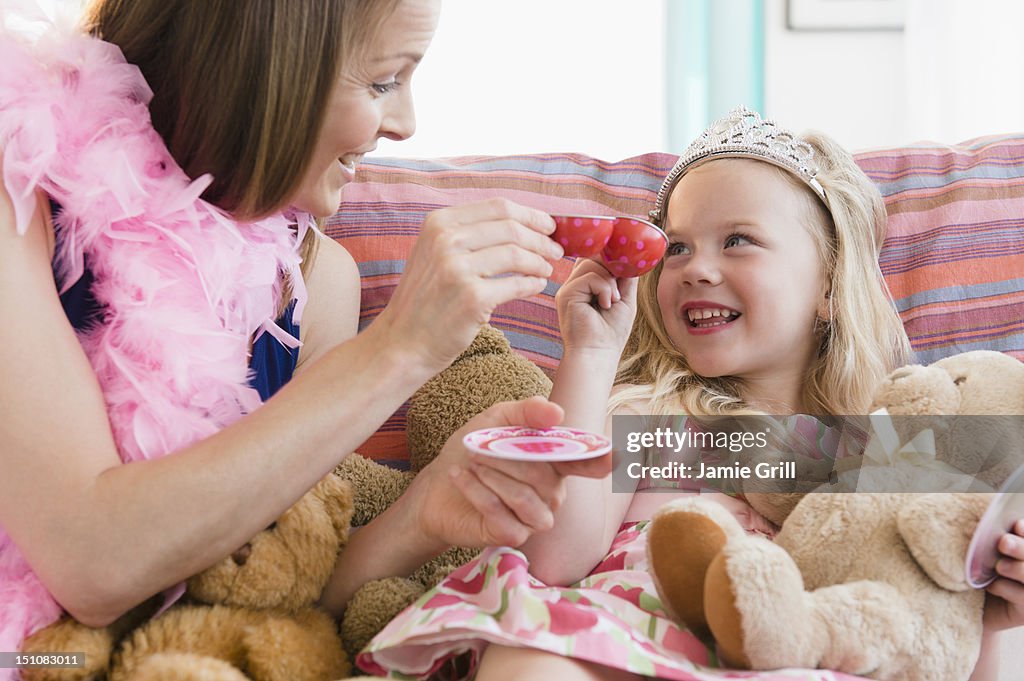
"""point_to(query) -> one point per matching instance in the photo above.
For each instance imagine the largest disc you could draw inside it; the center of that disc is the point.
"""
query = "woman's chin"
(323, 205)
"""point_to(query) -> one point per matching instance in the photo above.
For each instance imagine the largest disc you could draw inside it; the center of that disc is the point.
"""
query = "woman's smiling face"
(372, 99)
(742, 283)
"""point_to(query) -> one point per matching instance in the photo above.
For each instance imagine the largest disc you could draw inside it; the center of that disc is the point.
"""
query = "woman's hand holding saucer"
(467, 499)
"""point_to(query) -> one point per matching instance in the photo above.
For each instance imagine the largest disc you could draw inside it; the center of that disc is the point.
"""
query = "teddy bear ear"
(336, 495)
(916, 390)
(489, 371)
(488, 340)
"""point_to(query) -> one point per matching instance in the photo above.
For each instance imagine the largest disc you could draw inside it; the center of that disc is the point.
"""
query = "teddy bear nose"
(241, 555)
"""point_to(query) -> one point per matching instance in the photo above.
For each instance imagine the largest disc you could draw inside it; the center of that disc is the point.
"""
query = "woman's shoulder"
(334, 260)
(332, 313)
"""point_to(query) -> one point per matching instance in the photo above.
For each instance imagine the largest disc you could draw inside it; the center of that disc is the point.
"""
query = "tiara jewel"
(744, 134)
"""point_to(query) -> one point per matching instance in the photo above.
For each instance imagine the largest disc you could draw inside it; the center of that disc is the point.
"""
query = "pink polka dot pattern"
(582, 237)
(627, 246)
(636, 246)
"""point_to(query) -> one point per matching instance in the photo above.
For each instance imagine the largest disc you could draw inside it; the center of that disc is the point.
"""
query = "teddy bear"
(249, 616)
(487, 372)
(871, 583)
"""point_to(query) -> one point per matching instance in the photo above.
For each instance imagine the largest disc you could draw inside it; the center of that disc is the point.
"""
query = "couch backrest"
(954, 256)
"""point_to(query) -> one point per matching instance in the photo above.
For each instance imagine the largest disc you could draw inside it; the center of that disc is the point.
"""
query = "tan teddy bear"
(250, 616)
(865, 583)
(489, 371)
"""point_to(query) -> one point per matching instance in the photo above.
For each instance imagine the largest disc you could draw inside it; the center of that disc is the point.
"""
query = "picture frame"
(845, 15)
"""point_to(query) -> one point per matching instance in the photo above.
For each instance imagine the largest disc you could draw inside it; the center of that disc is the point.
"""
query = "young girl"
(769, 300)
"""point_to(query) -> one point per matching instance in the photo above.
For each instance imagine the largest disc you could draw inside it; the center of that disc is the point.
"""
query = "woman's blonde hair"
(241, 89)
(861, 342)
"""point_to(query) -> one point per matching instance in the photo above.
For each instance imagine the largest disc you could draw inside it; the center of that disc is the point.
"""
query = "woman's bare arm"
(104, 536)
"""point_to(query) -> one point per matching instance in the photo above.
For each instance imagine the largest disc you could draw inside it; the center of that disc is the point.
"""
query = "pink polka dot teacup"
(628, 246)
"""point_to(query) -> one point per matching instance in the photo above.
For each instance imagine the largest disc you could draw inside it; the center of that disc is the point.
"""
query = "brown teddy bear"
(867, 583)
(250, 616)
(489, 371)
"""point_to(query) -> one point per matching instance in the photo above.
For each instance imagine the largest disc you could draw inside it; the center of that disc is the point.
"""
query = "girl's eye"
(737, 240)
(676, 248)
(385, 88)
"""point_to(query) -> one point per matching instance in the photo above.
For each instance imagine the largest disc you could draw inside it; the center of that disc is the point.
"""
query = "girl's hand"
(465, 499)
(467, 260)
(595, 310)
(1004, 606)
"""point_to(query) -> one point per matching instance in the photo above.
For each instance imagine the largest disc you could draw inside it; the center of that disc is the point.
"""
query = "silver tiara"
(744, 134)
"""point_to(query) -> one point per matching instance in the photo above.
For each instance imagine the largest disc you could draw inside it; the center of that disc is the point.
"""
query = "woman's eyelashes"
(732, 241)
(381, 89)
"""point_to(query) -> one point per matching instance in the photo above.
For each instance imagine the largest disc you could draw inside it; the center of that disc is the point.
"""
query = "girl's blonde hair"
(861, 342)
(241, 88)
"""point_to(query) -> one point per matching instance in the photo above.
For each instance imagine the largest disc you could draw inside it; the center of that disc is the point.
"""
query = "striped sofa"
(954, 256)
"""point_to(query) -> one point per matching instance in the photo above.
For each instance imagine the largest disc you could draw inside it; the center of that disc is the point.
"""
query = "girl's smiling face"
(742, 286)
(372, 99)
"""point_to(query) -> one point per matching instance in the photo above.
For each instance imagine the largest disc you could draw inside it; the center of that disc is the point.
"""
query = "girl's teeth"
(707, 318)
(706, 313)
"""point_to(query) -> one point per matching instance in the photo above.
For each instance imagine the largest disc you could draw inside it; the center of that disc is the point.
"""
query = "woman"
(277, 100)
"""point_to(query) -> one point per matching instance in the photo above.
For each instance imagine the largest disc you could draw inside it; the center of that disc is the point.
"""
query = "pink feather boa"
(183, 287)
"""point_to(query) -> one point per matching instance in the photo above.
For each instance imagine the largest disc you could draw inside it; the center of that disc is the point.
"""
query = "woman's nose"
(400, 120)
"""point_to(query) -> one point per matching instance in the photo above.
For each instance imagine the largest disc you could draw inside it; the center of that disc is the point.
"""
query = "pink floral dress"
(612, 617)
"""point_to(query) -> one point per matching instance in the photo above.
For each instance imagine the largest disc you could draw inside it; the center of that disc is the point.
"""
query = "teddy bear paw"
(758, 609)
(683, 538)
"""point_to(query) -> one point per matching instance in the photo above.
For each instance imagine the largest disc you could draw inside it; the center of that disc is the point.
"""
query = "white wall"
(848, 84)
(953, 74)
(588, 76)
(541, 76)
(963, 61)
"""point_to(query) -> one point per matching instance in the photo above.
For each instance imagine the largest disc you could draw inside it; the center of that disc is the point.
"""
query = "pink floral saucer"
(532, 444)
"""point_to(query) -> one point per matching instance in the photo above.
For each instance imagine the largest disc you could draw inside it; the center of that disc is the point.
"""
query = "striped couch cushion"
(954, 255)
(954, 258)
